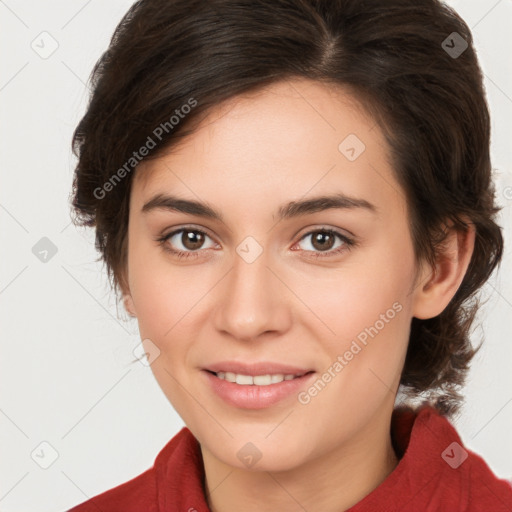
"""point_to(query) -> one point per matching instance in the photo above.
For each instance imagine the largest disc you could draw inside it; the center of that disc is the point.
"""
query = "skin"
(250, 156)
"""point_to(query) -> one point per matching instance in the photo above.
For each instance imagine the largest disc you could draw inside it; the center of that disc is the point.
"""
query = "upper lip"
(259, 368)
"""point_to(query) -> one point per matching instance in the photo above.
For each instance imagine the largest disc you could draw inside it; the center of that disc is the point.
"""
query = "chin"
(248, 453)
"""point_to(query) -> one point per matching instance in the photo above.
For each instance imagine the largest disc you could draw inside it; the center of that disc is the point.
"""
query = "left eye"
(324, 240)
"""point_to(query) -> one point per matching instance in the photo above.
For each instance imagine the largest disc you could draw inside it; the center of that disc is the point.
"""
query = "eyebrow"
(287, 211)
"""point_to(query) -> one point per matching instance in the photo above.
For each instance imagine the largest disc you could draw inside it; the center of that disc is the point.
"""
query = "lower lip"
(250, 396)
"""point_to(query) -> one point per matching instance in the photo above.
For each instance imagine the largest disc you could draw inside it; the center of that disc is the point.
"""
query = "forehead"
(289, 133)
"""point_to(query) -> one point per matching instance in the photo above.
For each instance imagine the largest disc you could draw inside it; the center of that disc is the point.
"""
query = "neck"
(332, 482)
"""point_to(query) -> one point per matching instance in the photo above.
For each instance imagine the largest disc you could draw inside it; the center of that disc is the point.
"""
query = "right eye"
(184, 242)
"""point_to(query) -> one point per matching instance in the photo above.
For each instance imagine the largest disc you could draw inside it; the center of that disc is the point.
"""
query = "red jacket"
(435, 474)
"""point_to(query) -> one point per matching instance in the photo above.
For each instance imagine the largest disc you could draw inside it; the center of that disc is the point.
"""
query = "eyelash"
(348, 243)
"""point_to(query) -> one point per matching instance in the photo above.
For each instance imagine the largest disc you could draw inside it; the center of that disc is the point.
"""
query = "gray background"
(65, 372)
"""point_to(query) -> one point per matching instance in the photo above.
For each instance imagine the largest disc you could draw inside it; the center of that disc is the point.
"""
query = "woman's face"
(265, 283)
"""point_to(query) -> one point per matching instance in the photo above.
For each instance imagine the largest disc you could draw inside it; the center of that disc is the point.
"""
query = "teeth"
(259, 380)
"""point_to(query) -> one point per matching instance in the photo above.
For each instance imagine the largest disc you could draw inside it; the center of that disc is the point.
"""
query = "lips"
(253, 396)
(257, 368)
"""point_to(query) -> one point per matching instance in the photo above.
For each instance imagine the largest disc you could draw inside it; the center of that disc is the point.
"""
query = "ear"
(436, 286)
(129, 305)
(127, 297)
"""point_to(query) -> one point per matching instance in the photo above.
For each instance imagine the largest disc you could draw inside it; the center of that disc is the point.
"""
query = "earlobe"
(437, 286)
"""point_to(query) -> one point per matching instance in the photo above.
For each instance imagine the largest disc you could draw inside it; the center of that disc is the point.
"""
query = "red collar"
(430, 475)
(433, 475)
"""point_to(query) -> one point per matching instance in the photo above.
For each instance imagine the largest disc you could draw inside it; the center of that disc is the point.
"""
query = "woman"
(294, 199)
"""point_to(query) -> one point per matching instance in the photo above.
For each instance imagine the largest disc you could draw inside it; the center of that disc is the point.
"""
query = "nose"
(252, 301)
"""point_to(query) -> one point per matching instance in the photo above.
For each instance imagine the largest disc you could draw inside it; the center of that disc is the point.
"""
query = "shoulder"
(436, 472)
(134, 495)
(141, 492)
(464, 476)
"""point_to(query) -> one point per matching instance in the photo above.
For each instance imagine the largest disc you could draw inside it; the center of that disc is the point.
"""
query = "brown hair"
(399, 58)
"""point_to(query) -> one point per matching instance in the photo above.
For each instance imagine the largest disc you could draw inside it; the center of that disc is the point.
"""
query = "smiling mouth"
(257, 380)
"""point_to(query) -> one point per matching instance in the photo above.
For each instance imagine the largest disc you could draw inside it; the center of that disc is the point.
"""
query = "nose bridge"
(250, 303)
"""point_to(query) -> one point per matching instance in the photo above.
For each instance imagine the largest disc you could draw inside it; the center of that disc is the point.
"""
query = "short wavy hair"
(412, 66)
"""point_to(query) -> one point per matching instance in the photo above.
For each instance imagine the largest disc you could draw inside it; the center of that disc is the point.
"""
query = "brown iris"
(192, 239)
(321, 240)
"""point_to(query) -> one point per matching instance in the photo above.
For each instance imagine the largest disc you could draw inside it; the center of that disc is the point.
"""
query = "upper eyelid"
(172, 232)
(338, 231)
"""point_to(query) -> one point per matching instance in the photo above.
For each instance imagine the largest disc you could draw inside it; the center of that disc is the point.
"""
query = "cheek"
(367, 308)
(367, 291)
(365, 356)
(161, 296)
(173, 305)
